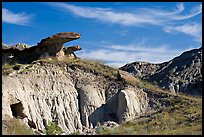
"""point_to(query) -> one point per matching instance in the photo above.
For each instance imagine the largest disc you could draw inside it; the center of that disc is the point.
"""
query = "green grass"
(7, 68)
(53, 129)
(15, 127)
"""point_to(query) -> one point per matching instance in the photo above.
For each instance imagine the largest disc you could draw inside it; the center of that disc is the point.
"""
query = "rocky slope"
(181, 74)
(75, 94)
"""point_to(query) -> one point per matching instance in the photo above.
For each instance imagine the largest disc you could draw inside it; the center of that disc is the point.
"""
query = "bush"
(53, 129)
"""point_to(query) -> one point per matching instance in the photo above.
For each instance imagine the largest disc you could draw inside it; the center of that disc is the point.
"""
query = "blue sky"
(113, 32)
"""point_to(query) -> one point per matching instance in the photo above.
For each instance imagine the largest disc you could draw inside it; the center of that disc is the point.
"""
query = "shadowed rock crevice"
(17, 110)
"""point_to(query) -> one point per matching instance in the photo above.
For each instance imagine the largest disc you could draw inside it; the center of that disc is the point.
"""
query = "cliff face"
(181, 74)
(73, 96)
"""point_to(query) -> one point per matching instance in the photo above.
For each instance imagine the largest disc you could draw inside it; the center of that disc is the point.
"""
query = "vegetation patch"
(7, 68)
(182, 116)
(53, 129)
(15, 127)
(93, 66)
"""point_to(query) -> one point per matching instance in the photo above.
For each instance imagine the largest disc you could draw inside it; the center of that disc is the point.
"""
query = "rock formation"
(80, 95)
(181, 74)
(48, 47)
(70, 95)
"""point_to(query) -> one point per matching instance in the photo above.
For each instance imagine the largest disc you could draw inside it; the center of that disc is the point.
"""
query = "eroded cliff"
(75, 94)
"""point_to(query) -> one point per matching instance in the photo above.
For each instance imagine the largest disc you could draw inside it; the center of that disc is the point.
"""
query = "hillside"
(182, 74)
(48, 90)
(82, 96)
(170, 115)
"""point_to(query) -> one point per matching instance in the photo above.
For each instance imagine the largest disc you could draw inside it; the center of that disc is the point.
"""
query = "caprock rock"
(51, 47)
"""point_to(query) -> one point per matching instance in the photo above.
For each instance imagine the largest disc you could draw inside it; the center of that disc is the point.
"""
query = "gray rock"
(69, 96)
(181, 74)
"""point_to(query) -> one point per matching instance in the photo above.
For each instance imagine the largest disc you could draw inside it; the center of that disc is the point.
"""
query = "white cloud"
(118, 55)
(138, 48)
(106, 15)
(140, 16)
(194, 30)
(15, 18)
(195, 11)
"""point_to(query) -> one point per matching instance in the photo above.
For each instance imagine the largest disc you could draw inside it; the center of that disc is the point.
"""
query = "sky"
(115, 33)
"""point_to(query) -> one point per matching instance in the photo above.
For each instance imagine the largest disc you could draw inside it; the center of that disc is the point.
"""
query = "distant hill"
(181, 74)
(4, 46)
(19, 46)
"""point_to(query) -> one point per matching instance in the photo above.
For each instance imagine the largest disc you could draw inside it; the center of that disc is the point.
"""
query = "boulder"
(131, 103)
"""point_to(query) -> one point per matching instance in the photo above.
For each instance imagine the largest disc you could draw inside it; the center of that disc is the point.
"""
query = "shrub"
(53, 129)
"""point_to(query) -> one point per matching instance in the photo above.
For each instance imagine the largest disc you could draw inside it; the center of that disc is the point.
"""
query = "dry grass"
(15, 127)
(93, 66)
(181, 116)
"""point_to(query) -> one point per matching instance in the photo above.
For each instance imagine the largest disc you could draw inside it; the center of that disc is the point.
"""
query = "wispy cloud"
(194, 30)
(15, 18)
(168, 20)
(195, 11)
(140, 16)
(138, 48)
(118, 55)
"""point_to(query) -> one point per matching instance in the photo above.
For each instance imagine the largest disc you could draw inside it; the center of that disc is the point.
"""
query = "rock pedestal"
(51, 47)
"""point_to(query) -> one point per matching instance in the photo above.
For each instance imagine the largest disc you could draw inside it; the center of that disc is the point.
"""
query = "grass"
(15, 127)
(181, 116)
(53, 129)
(7, 68)
(94, 66)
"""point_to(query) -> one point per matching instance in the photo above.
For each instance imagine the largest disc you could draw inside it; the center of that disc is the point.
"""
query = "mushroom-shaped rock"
(48, 47)
(59, 38)
(55, 43)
